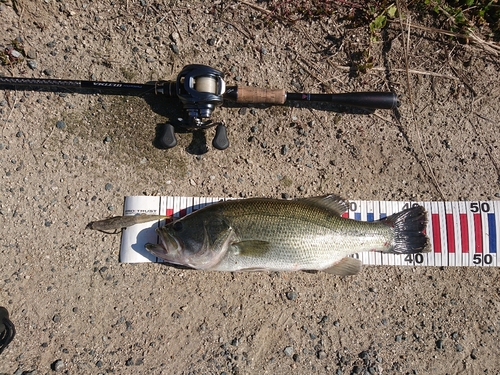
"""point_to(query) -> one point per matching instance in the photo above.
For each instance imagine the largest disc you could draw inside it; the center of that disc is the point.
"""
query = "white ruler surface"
(462, 233)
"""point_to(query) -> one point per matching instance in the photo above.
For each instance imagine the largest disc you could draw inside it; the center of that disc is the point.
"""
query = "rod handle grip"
(246, 94)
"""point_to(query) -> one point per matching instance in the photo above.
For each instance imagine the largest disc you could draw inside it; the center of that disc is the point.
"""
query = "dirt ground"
(71, 158)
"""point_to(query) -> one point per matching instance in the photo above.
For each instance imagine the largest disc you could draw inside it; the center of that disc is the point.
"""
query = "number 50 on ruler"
(461, 233)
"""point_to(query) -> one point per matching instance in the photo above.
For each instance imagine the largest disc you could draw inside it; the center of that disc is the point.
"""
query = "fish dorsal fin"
(331, 202)
(345, 267)
(251, 248)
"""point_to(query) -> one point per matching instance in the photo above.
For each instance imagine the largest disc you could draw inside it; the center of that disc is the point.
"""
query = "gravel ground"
(70, 158)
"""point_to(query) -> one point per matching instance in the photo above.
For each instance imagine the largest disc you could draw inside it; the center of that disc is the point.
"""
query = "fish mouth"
(168, 247)
(169, 242)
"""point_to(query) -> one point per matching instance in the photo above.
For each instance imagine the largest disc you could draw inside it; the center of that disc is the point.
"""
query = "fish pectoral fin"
(251, 248)
(345, 267)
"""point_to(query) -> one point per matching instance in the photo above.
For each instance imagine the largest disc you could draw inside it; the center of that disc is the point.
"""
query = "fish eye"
(177, 226)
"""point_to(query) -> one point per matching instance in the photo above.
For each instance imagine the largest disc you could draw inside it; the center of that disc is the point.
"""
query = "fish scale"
(296, 241)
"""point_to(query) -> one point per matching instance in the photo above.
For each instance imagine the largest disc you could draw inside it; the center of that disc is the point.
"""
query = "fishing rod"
(201, 89)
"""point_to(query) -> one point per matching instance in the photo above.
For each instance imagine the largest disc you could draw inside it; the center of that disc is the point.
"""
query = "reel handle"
(256, 95)
(220, 140)
(165, 136)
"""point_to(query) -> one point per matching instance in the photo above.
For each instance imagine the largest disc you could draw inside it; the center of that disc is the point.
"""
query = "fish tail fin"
(409, 226)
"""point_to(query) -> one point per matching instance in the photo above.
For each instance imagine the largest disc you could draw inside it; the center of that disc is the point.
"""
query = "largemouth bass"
(308, 234)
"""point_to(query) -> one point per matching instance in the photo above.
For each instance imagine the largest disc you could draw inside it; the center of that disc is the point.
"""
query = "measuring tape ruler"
(463, 233)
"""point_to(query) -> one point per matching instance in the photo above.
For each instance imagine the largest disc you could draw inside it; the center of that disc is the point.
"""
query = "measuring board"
(461, 233)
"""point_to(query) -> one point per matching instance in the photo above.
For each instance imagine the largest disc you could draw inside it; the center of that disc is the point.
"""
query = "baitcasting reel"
(201, 89)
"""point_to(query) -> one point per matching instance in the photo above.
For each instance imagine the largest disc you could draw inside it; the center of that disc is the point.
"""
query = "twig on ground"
(245, 33)
(47, 138)
(406, 46)
(10, 113)
(308, 62)
(463, 80)
(256, 7)
(411, 71)
(490, 47)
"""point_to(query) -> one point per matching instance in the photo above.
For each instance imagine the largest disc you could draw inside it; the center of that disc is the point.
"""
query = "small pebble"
(473, 354)
(58, 365)
(32, 64)
(56, 318)
(174, 48)
(60, 124)
(288, 351)
(108, 186)
(439, 345)
(175, 37)
(292, 296)
(321, 354)
(31, 54)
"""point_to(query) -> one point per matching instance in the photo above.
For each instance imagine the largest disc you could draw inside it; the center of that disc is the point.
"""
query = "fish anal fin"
(345, 267)
(251, 248)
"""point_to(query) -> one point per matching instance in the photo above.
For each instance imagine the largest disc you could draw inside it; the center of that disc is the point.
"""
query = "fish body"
(306, 234)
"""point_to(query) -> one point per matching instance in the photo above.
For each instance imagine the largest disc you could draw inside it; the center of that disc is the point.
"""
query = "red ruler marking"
(450, 232)
(464, 231)
(478, 233)
(436, 233)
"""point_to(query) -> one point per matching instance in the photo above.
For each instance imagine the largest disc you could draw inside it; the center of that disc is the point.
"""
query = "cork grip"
(257, 95)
